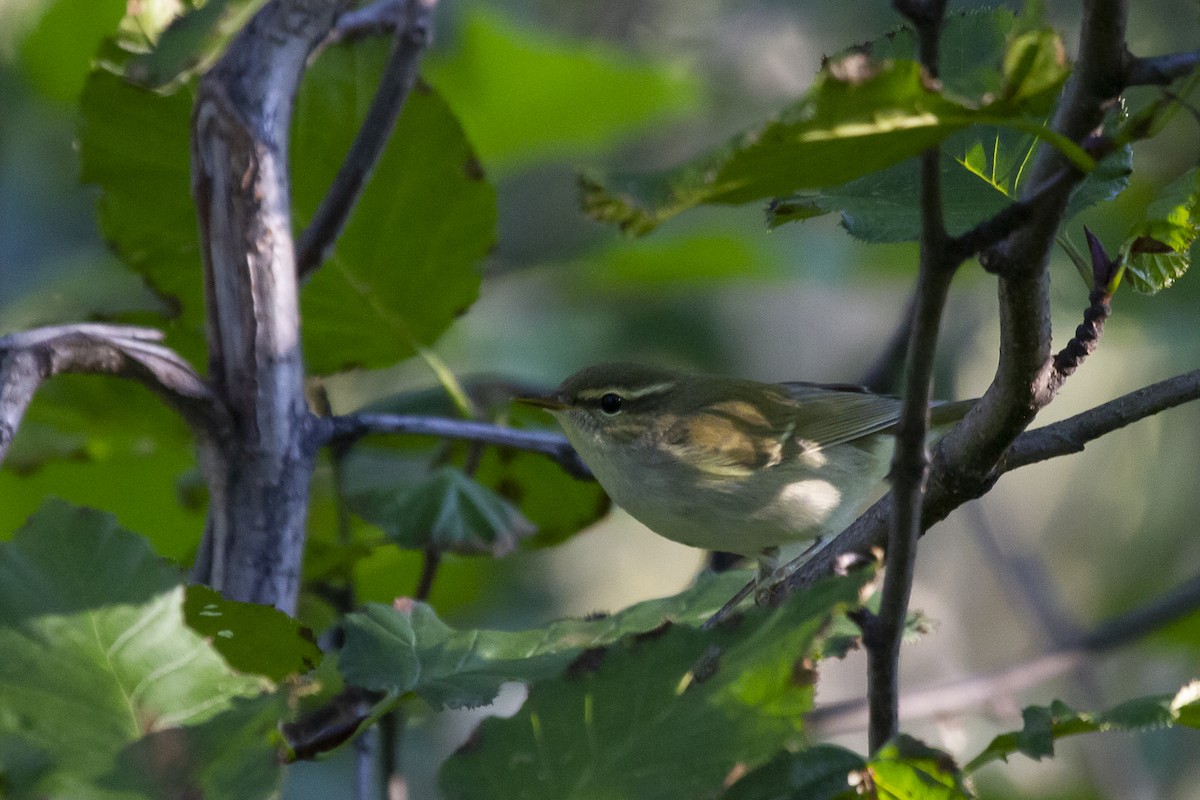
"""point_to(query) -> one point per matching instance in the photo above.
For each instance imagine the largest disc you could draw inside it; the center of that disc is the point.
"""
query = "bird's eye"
(611, 403)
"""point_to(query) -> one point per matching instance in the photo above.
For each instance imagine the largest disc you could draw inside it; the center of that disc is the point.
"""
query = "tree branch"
(413, 36)
(29, 358)
(1160, 70)
(373, 19)
(953, 697)
(329, 430)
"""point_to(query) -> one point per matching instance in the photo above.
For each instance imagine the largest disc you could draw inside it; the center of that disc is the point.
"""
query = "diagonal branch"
(29, 358)
(328, 430)
(413, 36)
(1160, 70)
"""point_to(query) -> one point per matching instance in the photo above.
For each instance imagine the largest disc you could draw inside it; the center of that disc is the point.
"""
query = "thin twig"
(1160, 70)
(953, 697)
(354, 426)
(399, 75)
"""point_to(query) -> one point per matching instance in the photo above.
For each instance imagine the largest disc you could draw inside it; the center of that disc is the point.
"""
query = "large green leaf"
(98, 662)
(523, 95)
(667, 714)
(446, 511)
(408, 261)
(58, 53)
(408, 649)
(1158, 249)
(1043, 725)
(821, 772)
(859, 116)
(134, 146)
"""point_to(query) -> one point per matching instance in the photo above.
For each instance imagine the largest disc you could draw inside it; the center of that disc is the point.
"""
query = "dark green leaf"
(408, 261)
(523, 95)
(58, 53)
(98, 658)
(448, 512)
(408, 649)
(1157, 251)
(1046, 724)
(820, 772)
(256, 639)
(668, 714)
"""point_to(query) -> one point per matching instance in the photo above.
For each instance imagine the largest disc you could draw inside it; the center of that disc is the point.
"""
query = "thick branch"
(31, 357)
(954, 697)
(354, 426)
(258, 481)
(399, 75)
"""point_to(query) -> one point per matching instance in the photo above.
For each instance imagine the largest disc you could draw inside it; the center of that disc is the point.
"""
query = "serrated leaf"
(448, 512)
(254, 639)
(407, 263)
(98, 659)
(1157, 251)
(191, 43)
(820, 772)
(859, 117)
(668, 714)
(408, 649)
(907, 769)
(523, 95)
(1044, 725)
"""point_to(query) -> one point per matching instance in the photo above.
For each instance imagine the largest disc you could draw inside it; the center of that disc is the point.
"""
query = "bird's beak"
(550, 402)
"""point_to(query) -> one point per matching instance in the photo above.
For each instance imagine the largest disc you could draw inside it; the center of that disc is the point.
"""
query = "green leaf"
(255, 639)
(191, 43)
(448, 512)
(408, 649)
(134, 145)
(667, 714)
(58, 53)
(695, 259)
(906, 769)
(407, 263)
(98, 661)
(1157, 251)
(523, 95)
(1044, 725)
(820, 772)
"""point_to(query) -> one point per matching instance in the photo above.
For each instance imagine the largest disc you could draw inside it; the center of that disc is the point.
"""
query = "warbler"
(728, 464)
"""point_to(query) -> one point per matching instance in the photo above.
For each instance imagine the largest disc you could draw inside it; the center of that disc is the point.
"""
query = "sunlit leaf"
(524, 95)
(99, 663)
(907, 769)
(1157, 251)
(191, 43)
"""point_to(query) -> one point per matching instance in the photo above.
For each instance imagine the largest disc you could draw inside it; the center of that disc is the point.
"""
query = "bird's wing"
(826, 416)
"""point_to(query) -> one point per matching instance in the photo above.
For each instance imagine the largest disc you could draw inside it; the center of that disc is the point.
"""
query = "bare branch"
(354, 426)
(1004, 684)
(412, 38)
(30, 357)
(1160, 70)
(373, 19)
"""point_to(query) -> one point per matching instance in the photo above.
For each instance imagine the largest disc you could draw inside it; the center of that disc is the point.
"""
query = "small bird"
(728, 464)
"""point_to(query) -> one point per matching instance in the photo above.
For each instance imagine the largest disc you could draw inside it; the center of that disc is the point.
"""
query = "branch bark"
(259, 480)
(29, 358)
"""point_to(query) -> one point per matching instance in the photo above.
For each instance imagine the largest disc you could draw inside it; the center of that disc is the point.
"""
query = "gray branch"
(1160, 70)
(29, 358)
(413, 35)
(354, 426)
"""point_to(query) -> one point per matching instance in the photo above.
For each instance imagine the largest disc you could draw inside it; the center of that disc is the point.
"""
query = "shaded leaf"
(191, 43)
(668, 714)
(58, 53)
(446, 511)
(523, 95)
(1044, 725)
(408, 649)
(408, 261)
(1157, 251)
(252, 638)
(820, 772)
(98, 657)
